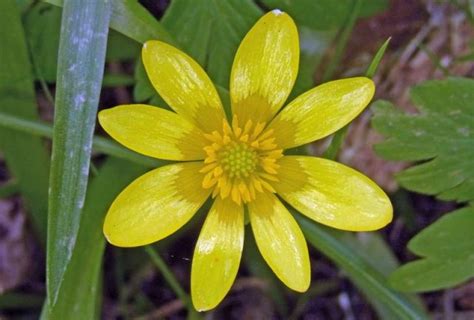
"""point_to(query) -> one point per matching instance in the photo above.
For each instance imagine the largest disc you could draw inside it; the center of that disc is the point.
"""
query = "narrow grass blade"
(258, 267)
(377, 58)
(81, 57)
(81, 284)
(340, 135)
(369, 279)
(25, 155)
(336, 143)
(99, 144)
(131, 19)
(172, 281)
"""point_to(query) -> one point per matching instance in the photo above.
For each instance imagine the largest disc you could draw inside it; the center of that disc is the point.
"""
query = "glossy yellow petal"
(332, 194)
(183, 84)
(321, 111)
(155, 205)
(280, 241)
(154, 132)
(217, 254)
(265, 68)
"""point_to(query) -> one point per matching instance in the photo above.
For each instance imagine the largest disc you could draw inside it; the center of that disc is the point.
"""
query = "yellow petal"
(217, 254)
(155, 205)
(183, 84)
(332, 194)
(321, 111)
(154, 132)
(280, 241)
(265, 68)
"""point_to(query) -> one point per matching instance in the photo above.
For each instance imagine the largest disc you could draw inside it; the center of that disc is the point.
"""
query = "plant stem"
(100, 144)
(171, 280)
(342, 41)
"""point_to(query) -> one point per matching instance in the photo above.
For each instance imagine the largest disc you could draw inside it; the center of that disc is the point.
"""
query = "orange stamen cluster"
(241, 161)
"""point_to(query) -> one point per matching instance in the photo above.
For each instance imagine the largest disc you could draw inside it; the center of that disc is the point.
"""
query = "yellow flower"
(240, 164)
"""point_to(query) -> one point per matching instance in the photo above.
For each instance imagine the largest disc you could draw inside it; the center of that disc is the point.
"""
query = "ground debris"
(15, 246)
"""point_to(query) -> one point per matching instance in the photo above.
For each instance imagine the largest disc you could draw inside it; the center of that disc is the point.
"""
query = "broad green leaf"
(8, 189)
(23, 4)
(25, 155)
(211, 31)
(42, 23)
(367, 275)
(143, 89)
(324, 14)
(447, 248)
(120, 47)
(313, 45)
(81, 58)
(116, 80)
(441, 135)
(80, 286)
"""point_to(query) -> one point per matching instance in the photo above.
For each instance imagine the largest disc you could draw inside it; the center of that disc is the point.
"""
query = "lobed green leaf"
(441, 135)
(448, 250)
(211, 31)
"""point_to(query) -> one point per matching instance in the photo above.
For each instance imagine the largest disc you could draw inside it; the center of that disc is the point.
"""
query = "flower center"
(238, 159)
(241, 161)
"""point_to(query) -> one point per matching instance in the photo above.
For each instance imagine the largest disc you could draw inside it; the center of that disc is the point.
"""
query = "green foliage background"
(39, 46)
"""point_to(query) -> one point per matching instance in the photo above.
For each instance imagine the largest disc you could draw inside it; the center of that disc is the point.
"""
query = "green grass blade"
(340, 135)
(81, 284)
(172, 281)
(258, 267)
(99, 144)
(336, 143)
(81, 57)
(131, 19)
(25, 155)
(369, 279)
(377, 58)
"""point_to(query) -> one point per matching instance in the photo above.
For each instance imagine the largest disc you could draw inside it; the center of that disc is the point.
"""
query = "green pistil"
(238, 160)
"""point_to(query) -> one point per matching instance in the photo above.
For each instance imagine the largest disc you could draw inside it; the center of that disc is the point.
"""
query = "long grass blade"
(133, 20)
(375, 285)
(82, 45)
(80, 289)
(99, 144)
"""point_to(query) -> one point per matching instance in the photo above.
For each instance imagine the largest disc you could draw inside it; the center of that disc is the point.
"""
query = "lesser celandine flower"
(240, 163)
